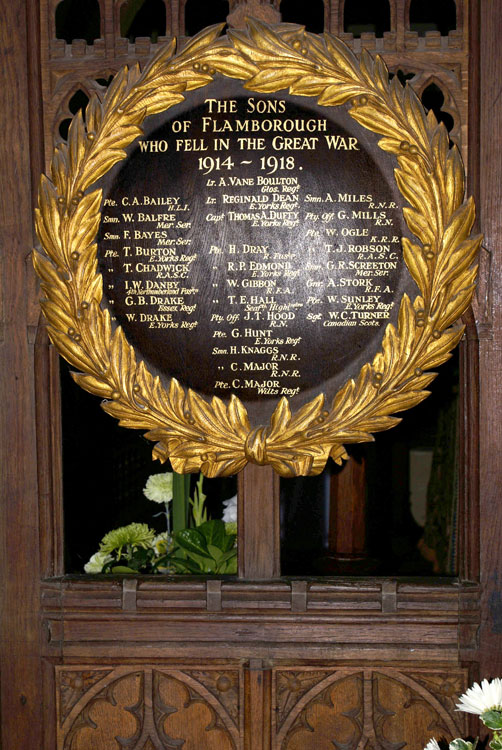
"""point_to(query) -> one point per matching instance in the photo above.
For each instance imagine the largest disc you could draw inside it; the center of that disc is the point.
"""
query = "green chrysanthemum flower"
(134, 535)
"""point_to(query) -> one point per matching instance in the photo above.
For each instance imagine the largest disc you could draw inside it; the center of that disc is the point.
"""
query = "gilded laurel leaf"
(228, 62)
(343, 59)
(271, 80)
(216, 437)
(417, 264)
(332, 96)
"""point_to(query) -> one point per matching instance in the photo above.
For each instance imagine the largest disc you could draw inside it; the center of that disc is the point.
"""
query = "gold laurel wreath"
(214, 437)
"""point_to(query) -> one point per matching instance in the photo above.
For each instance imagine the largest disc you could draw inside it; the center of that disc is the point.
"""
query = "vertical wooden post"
(488, 152)
(347, 554)
(258, 522)
(21, 709)
(257, 732)
(347, 527)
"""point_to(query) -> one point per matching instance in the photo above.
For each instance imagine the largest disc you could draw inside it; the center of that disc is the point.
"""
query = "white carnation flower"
(95, 564)
(480, 698)
(230, 512)
(159, 487)
(432, 745)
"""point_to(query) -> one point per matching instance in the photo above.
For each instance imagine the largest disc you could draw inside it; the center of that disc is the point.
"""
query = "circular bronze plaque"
(252, 245)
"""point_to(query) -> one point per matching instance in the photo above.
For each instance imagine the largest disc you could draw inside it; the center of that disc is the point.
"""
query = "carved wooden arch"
(367, 728)
(52, 7)
(62, 109)
(423, 81)
(449, 85)
(310, 695)
(459, 15)
(67, 87)
(80, 689)
(341, 15)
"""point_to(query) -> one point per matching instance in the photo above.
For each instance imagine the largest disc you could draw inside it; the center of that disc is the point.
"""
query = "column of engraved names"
(145, 235)
(353, 252)
(258, 351)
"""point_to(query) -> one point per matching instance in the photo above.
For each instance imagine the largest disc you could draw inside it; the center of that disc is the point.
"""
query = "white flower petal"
(230, 512)
(95, 564)
(432, 745)
(480, 698)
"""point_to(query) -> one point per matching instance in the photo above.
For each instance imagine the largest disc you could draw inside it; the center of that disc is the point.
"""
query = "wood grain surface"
(267, 663)
(21, 687)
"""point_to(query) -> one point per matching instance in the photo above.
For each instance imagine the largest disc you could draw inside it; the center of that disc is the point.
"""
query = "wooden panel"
(255, 706)
(347, 533)
(316, 709)
(149, 707)
(382, 619)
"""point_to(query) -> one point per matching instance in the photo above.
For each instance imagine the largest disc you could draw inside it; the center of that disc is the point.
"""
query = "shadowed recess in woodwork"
(201, 13)
(433, 15)
(433, 98)
(143, 18)
(362, 16)
(78, 19)
(310, 15)
(78, 101)
(110, 494)
(359, 519)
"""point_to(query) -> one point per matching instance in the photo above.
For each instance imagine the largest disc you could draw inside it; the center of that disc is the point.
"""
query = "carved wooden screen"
(271, 663)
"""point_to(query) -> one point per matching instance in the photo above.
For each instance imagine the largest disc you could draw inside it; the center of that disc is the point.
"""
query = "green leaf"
(192, 541)
(460, 744)
(185, 566)
(492, 719)
(496, 743)
(228, 555)
(122, 569)
(230, 566)
(215, 552)
(181, 491)
(228, 562)
(228, 542)
(214, 532)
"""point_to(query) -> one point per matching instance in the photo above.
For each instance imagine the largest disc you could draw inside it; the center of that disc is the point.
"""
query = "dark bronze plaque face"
(251, 244)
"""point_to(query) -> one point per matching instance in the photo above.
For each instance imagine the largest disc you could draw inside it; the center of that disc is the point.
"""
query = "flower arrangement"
(192, 543)
(485, 700)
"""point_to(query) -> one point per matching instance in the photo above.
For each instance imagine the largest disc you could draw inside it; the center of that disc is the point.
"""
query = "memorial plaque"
(271, 265)
(252, 245)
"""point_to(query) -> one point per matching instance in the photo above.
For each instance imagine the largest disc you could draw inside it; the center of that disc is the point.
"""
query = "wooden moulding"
(380, 618)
